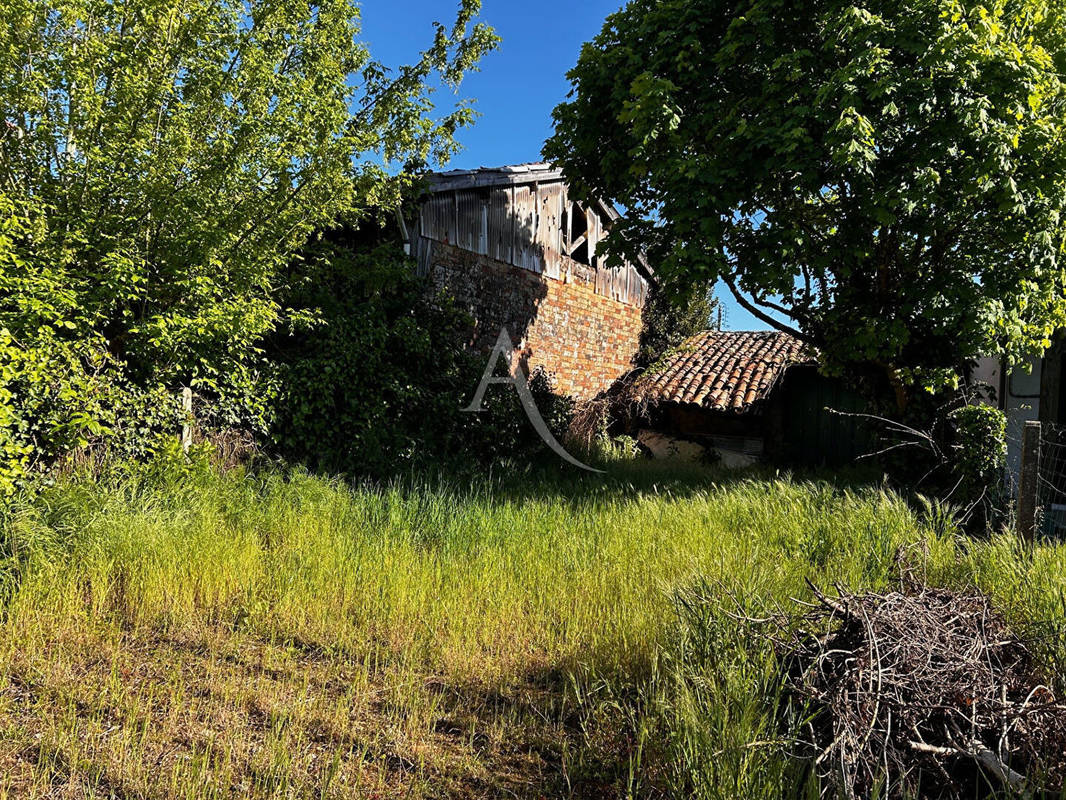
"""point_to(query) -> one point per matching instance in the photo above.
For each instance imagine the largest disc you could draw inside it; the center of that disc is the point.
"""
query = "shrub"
(371, 373)
(978, 447)
(61, 389)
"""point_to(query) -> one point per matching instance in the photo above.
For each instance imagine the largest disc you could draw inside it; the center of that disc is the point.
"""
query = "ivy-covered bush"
(371, 374)
(503, 432)
(978, 442)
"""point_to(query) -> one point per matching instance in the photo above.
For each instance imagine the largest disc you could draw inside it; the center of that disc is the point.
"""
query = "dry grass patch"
(111, 713)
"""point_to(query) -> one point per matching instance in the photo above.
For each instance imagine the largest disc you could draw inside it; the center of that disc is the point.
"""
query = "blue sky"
(518, 85)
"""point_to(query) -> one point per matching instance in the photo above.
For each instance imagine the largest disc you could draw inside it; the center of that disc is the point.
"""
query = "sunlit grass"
(184, 632)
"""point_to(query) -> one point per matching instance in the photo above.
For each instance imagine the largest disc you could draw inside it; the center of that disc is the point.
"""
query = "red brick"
(584, 339)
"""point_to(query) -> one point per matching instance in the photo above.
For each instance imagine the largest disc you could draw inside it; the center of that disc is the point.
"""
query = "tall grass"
(605, 600)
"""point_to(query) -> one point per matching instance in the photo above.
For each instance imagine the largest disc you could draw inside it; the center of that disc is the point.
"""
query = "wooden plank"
(569, 227)
(500, 225)
(633, 287)
(593, 221)
(1029, 481)
(189, 420)
(488, 179)
(549, 228)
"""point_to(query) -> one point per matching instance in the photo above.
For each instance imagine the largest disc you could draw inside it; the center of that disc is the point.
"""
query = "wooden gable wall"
(533, 226)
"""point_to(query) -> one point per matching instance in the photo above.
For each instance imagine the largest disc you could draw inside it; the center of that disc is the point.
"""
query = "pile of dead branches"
(923, 693)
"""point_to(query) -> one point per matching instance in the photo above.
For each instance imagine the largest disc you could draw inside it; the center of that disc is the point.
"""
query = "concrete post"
(186, 427)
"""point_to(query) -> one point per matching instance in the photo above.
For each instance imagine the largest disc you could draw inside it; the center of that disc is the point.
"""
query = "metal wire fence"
(1051, 480)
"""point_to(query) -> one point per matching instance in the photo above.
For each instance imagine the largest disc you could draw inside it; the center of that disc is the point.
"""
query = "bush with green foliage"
(160, 164)
(954, 452)
(978, 447)
(671, 316)
(54, 386)
(371, 373)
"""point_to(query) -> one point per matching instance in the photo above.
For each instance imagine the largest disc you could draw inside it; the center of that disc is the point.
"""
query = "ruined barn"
(514, 248)
(747, 396)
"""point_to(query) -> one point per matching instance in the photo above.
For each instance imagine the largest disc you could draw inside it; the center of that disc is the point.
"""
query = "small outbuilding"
(747, 396)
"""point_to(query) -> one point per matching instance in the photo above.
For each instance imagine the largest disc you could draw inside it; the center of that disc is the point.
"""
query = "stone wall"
(582, 339)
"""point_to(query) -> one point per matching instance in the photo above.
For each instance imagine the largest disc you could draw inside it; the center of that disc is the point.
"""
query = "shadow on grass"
(550, 480)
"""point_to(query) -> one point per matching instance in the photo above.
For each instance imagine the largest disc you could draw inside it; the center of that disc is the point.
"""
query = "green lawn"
(185, 633)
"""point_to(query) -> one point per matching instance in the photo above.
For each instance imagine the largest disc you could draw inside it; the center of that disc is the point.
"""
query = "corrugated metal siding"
(472, 210)
(525, 208)
(423, 255)
(438, 217)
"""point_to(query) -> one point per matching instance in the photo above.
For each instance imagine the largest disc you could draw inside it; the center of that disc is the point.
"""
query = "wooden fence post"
(186, 426)
(1028, 481)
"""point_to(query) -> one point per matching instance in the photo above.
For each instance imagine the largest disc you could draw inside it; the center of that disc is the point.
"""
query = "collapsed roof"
(540, 178)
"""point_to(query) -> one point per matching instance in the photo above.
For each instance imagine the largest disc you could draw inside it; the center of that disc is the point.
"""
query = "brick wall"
(583, 339)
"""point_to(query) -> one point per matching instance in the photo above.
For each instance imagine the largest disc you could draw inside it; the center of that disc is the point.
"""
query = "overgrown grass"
(185, 632)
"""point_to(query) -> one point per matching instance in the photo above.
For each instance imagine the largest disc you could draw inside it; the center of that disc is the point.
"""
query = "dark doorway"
(1051, 491)
(1052, 396)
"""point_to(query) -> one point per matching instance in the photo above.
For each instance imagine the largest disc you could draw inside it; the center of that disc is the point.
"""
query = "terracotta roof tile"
(724, 370)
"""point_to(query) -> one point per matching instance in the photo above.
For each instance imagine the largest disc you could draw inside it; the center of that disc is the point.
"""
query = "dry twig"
(922, 692)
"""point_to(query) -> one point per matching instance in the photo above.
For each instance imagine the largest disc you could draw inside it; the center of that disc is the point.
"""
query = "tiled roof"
(729, 371)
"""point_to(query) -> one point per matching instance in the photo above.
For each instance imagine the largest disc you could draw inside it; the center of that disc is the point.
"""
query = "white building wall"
(1021, 402)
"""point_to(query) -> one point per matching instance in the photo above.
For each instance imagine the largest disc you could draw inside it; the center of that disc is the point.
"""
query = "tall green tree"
(672, 315)
(884, 178)
(161, 161)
